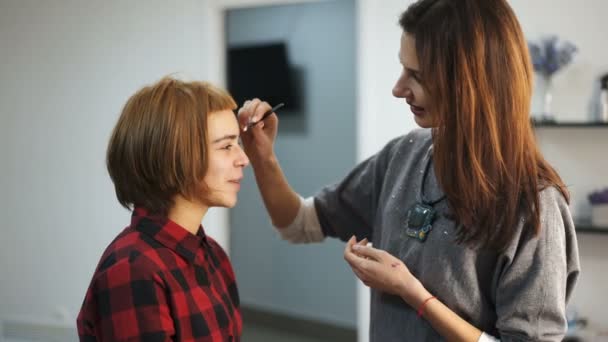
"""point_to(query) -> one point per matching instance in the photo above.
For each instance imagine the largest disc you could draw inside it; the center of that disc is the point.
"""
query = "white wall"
(67, 68)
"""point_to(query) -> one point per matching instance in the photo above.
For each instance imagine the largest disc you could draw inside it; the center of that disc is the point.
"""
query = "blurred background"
(67, 67)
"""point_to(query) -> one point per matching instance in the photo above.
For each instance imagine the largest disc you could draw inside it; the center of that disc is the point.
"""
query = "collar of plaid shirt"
(169, 233)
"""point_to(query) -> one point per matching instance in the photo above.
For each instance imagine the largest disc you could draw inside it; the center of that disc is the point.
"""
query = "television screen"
(261, 71)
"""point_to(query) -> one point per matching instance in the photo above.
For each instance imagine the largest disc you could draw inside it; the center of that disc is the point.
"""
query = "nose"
(242, 160)
(401, 89)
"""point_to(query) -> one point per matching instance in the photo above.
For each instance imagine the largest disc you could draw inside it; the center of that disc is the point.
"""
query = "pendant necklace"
(421, 215)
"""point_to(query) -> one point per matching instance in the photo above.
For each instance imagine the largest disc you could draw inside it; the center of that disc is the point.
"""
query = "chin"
(423, 121)
(222, 202)
(229, 203)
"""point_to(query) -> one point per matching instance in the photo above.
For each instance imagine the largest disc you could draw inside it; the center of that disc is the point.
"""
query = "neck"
(187, 214)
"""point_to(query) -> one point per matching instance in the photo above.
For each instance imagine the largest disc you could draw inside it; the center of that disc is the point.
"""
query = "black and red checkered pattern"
(158, 282)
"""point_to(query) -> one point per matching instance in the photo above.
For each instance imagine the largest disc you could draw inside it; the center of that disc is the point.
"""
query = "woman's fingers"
(369, 252)
(252, 111)
(353, 259)
(257, 109)
(245, 112)
(348, 254)
(363, 242)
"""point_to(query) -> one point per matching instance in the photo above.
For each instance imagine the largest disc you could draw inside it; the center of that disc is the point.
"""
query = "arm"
(382, 271)
(281, 201)
(342, 209)
(447, 322)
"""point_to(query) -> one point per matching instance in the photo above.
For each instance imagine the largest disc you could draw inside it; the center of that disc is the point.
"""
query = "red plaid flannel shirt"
(158, 282)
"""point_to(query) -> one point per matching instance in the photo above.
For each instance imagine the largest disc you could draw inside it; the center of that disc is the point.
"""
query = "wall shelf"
(587, 227)
(569, 124)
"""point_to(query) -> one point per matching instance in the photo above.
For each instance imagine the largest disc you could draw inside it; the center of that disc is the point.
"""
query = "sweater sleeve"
(537, 276)
(349, 207)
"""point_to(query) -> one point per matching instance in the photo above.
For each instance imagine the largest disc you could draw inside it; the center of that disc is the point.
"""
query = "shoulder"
(216, 247)
(552, 200)
(221, 260)
(131, 255)
(218, 251)
(411, 144)
(556, 223)
(422, 134)
(415, 139)
(556, 231)
(555, 217)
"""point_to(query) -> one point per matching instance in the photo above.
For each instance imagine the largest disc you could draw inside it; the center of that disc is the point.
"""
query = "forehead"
(407, 51)
(222, 122)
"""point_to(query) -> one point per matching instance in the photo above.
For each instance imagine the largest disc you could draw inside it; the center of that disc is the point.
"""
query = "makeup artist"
(472, 236)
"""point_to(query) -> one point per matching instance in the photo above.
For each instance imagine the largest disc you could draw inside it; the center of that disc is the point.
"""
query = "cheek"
(220, 168)
(419, 93)
(214, 172)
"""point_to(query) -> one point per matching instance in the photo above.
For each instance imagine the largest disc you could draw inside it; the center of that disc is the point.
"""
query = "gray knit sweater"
(517, 295)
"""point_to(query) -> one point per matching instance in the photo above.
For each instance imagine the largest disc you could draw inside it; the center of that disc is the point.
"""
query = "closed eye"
(413, 74)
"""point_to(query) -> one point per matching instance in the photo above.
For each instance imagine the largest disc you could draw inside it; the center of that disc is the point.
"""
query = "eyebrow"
(225, 137)
(415, 72)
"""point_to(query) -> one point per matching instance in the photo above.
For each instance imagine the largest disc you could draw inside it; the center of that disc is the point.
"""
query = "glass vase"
(542, 100)
(548, 99)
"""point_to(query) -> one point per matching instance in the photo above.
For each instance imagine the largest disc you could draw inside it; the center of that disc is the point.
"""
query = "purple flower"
(599, 197)
(550, 55)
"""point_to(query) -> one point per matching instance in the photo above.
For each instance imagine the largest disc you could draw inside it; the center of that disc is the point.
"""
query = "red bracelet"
(421, 308)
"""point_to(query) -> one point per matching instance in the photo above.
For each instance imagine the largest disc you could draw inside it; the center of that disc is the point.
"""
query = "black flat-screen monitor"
(261, 71)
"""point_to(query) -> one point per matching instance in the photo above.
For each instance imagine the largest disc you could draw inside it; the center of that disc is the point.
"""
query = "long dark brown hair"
(476, 68)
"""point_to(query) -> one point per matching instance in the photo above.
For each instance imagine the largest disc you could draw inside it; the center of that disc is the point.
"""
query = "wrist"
(263, 159)
(414, 294)
(264, 163)
(421, 308)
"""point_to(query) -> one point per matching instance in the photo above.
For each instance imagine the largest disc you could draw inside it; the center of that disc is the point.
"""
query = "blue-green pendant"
(420, 221)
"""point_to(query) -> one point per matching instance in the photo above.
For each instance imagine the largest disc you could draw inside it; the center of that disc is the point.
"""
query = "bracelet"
(421, 308)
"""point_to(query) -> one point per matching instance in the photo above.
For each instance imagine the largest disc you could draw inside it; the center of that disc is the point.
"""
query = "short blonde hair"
(158, 148)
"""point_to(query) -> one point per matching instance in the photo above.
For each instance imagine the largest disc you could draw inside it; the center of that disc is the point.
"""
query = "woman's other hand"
(380, 270)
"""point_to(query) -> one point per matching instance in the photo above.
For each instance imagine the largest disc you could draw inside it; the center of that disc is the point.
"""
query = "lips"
(236, 182)
(418, 111)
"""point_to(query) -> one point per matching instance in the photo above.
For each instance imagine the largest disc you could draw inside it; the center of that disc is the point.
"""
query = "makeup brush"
(267, 114)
